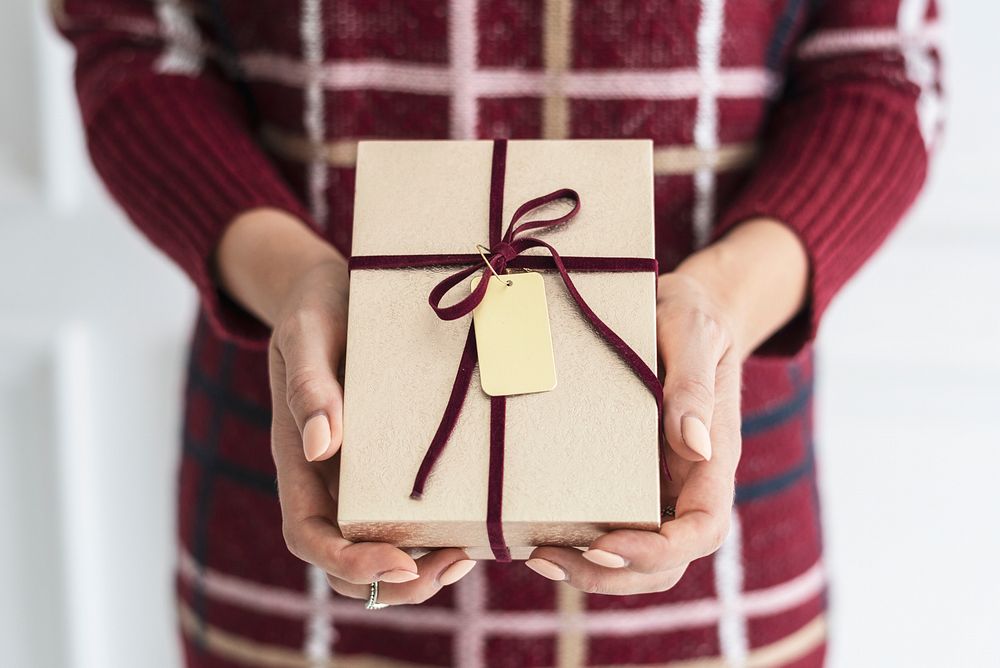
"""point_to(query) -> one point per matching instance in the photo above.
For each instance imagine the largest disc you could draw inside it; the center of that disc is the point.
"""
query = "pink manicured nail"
(456, 572)
(695, 435)
(397, 576)
(316, 437)
(546, 568)
(604, 558)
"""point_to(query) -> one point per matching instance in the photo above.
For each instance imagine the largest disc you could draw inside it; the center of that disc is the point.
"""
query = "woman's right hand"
(308, 313)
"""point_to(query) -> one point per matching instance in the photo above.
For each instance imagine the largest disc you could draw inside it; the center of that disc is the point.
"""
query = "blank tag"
(513, 336)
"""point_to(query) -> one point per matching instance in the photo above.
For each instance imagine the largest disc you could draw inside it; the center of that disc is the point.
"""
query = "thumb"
(689, 395)
(312, 393)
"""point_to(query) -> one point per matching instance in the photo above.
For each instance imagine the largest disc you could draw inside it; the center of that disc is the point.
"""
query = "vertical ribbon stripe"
(494, 490)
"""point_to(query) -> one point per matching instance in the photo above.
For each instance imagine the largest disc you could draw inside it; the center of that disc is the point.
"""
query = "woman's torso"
(318, 76)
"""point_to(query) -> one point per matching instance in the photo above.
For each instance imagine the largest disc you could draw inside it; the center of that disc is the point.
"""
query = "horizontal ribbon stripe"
(538, 262)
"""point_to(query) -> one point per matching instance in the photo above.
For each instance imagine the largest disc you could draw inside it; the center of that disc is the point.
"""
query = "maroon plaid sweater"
(818, 113)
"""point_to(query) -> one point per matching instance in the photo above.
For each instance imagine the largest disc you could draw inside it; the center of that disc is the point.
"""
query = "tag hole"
(509, 283)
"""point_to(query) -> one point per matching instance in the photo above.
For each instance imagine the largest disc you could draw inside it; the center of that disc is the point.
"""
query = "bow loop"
(538, 202)
(502, 254)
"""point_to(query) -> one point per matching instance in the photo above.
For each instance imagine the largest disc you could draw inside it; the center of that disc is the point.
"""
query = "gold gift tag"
(513, 336)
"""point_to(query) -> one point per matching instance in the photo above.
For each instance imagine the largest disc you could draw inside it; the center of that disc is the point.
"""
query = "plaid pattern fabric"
(244, 601)
(818, 113)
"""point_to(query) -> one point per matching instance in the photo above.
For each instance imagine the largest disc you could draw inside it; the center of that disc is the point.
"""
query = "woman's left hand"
(702, 422)
(711, 312)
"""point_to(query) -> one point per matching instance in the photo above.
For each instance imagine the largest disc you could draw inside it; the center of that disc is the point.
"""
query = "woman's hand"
(718, 306)
(702, 424)
(290, 278)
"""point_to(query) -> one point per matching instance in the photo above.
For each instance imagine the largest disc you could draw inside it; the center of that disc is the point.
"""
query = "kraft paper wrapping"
(579, 460)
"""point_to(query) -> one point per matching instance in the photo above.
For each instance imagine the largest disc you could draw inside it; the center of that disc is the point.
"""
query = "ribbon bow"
(502, 252)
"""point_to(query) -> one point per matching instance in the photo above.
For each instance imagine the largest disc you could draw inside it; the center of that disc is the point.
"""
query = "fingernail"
(316, 437)
(397, 576)
(546, 568)
(456, 572)
(604, 558)
(695, 435)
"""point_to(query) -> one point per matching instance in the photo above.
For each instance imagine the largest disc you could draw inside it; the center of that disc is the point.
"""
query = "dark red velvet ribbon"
(506, 252)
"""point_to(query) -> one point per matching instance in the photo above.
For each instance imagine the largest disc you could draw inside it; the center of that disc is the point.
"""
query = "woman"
(788, 144)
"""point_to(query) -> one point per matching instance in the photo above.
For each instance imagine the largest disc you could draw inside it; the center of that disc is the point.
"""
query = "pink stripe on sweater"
(672, 83)
(666, 617)
(827, 43)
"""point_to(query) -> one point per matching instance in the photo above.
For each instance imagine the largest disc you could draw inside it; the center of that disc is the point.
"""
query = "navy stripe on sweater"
(753, 425)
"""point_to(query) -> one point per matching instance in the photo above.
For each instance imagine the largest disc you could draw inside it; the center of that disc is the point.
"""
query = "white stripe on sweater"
(706, 124)
(183, 51)
(920, 67)
(463, 47)
(318, 641)
(733, 639)
(666, 84)
(838, 42)
(470, 603)
(314, 105)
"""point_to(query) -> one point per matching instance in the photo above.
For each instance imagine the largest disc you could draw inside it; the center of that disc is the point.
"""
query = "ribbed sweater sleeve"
(170, 138)
(844, 155)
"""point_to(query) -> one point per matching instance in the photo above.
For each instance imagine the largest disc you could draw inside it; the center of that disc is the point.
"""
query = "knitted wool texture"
(819, 114)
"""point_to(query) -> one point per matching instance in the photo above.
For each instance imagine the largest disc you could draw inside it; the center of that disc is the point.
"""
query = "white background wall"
(93, 324)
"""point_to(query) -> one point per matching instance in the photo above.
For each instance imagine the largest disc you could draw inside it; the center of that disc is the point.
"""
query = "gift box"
(430, 459)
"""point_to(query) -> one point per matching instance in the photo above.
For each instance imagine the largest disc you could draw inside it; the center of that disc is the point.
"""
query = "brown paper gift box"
(579, 460)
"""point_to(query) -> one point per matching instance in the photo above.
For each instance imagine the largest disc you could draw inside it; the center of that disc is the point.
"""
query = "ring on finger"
(372, 603)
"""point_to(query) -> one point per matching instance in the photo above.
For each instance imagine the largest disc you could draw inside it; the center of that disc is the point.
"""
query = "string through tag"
(482, 253)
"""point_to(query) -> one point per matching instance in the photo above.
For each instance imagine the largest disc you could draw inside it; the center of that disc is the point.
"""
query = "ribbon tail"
(664, 469)
(466, 305)
(662, 431)
(459, 391)
(622, 349)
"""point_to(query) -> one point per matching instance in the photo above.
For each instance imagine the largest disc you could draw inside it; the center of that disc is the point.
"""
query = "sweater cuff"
(840, 170)
(182, 165)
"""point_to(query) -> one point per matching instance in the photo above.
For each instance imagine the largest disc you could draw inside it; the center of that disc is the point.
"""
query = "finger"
(693, 534)
(700, 525)
(568, 565)
(318, 541)
(308, 512)
(690, 346)
(308, 509)
(437, 569)
(704, 504)
(308, 349)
